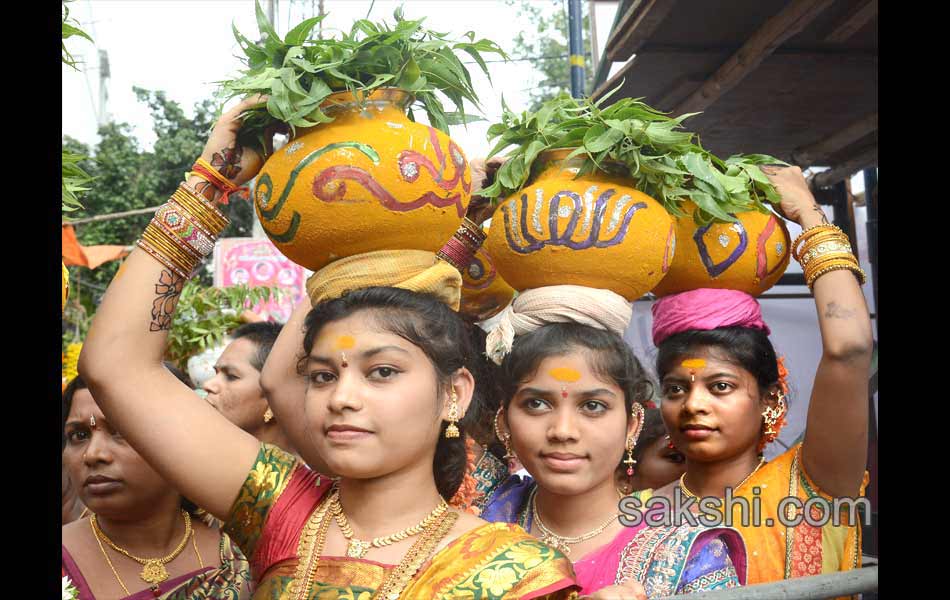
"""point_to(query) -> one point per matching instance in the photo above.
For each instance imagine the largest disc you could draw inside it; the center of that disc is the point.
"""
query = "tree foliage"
(128, 177)
(545, 39)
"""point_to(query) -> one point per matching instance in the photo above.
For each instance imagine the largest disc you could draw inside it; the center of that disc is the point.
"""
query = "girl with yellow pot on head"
(387, 381)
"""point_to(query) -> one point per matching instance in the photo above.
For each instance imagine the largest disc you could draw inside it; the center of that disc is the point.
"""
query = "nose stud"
(92, 421)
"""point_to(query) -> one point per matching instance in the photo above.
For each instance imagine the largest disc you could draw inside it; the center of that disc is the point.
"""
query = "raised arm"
(834, 450)
(186, 440)
(285, 388)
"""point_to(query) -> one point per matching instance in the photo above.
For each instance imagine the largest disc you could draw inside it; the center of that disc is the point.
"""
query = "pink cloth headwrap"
(705, 309)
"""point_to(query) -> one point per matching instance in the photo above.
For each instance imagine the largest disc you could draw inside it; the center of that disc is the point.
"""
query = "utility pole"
(575, 21)
(103, 116)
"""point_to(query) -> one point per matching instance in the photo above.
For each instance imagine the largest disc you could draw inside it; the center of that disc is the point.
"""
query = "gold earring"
(268, 415)
(636, 413)
(452, 431)
(771, 416)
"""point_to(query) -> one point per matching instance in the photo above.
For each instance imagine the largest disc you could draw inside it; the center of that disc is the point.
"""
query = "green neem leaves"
(665, 161)
(300, 71)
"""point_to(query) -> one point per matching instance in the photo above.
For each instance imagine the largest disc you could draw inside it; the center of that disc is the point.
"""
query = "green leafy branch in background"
(205, 315)
(634, 139)
(300, 71)
(69, 31)
(75, 179)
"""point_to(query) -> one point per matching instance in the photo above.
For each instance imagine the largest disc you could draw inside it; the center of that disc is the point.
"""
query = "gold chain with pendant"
(563, 542)
(153, 571)
(358, 548)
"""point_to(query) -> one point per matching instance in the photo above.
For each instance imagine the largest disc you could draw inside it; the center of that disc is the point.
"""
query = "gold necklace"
(314, 536)
(153, 571)
(690, 494)
(357, 548)
(562, 542)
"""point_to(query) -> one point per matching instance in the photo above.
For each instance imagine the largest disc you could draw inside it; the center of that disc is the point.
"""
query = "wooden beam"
(636, 27)
(853, 22)
(863, 160)
(613, 81)
(773, 33)
(807, 156)
(676, 92)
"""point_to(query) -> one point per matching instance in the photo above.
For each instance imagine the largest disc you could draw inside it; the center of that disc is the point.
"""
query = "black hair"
(78, 383)
(263, 334)
(653, 429)
(611, 358)
(746, 347)
(479, 420)
(426, 322)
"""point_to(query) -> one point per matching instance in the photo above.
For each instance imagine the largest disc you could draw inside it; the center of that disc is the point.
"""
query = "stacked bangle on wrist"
(822, 249)
(460, 250)
(183, 231)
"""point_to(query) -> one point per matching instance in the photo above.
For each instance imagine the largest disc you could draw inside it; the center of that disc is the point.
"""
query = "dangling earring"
(772, 417)
(635, 413)
(505, 439)
(268, 415)
(452, 431)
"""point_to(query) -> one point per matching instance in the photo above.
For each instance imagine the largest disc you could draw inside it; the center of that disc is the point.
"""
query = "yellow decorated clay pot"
(484, 292)
(369, 180)
(65, 286)
(750, 255)
(596, 231)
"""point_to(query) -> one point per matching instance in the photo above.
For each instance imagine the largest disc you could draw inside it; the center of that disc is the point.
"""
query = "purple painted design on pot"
(717, 269)
(564, 238)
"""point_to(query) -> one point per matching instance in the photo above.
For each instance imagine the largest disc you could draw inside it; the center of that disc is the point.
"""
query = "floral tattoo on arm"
(167, 290)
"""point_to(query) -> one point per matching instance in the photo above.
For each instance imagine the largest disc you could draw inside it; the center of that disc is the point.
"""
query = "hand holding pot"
(239, 164)
(483, 175)
(798, 204)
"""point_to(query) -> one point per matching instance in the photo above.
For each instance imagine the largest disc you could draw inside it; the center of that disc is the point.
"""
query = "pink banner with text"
(257, 262)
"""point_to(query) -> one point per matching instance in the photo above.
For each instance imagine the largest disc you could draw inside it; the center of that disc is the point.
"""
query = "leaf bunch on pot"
(299, 71)
(632, 139)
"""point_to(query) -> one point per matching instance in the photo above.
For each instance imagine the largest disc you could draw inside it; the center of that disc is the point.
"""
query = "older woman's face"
(111, 477)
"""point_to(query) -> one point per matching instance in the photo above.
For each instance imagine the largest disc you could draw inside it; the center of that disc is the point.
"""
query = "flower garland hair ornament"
(532, 309)
(464, 498)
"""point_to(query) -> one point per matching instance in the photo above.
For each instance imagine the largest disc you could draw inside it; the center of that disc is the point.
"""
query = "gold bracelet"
(825, 247)
(202, 212)
(177, 223)
(141, 243)
(161, 257)
(811, 273)
(207, 206)
(858, 272)
(185, 262)
(812, 231)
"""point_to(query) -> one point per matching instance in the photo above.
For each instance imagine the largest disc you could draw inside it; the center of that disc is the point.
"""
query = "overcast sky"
(183, 47)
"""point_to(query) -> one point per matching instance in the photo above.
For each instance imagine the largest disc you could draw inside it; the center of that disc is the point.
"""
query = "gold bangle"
(145, 245)
(858, 272)
(825, 250)
(159, 242)
(212, 219)
(812, 231)
(208, 206)
(182, 249)
(176, 222)
(817, 261)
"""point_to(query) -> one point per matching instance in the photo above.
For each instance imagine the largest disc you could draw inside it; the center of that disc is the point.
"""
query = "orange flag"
(75, 254)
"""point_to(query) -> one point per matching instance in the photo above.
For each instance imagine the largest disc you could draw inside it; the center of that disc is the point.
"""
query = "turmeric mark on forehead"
(694, 363)
(344, 342)
(565, 374)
